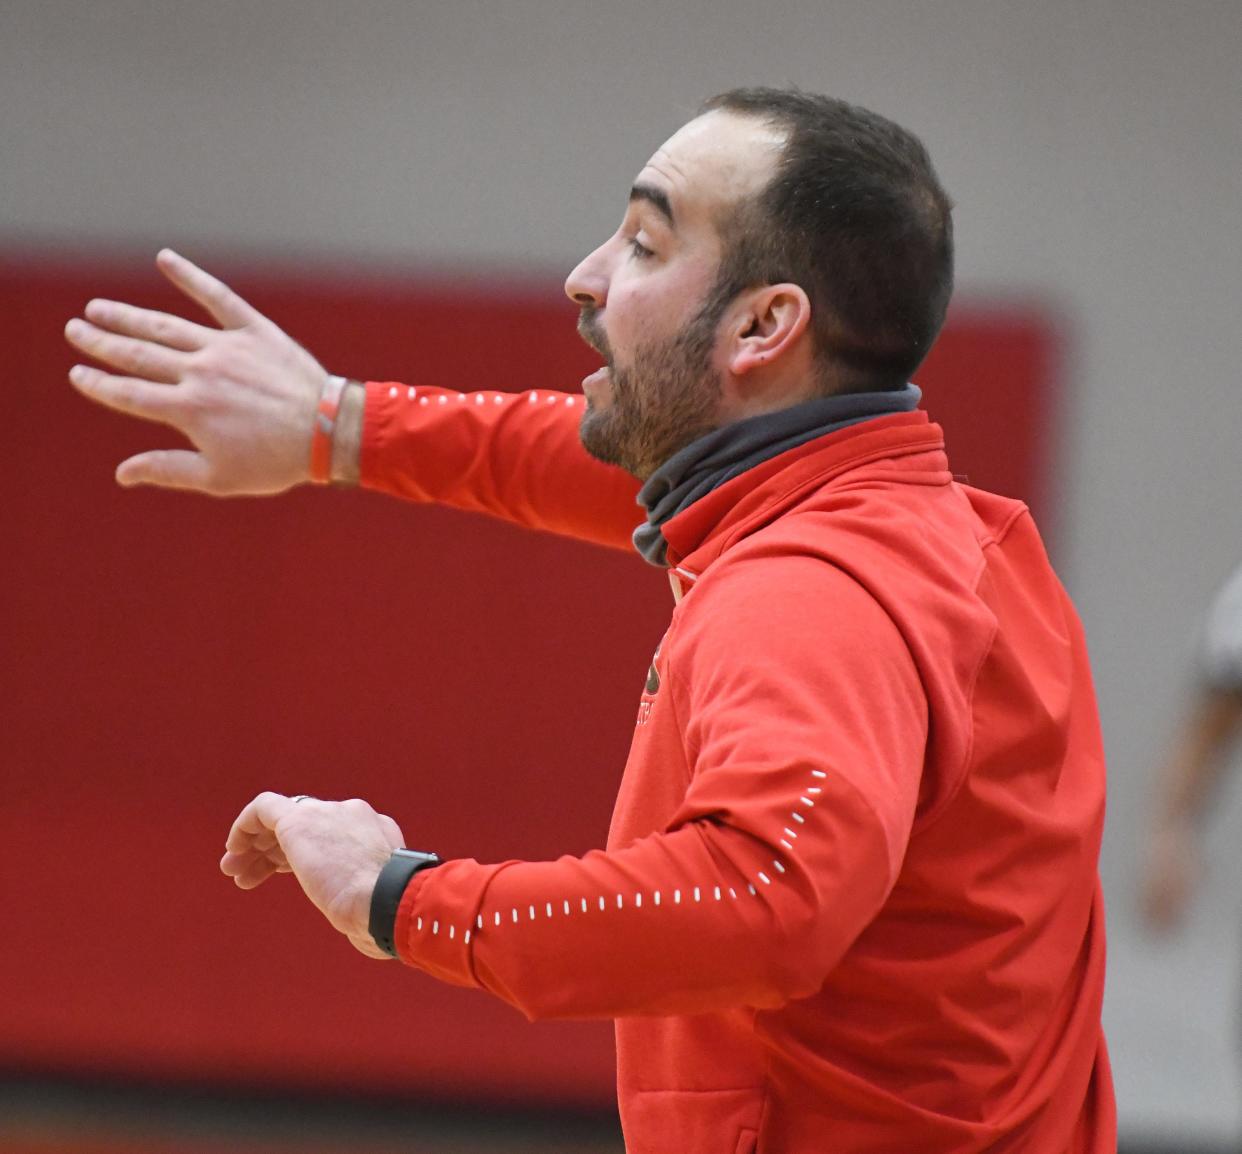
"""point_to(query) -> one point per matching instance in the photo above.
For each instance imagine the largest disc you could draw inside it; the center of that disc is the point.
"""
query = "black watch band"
(389, 887)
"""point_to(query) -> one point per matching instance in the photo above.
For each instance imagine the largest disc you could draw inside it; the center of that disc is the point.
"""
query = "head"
(780, 246)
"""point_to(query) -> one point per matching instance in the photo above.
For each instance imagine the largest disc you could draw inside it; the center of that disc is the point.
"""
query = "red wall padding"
(165, 657)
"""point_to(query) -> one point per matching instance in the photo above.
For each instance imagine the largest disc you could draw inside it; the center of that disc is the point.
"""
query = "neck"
(722, 454)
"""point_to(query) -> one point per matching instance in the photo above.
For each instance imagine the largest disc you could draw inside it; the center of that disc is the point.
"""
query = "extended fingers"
(167, 469)
(139, 358)
(214, 295)
(130, 395)
(148, 325)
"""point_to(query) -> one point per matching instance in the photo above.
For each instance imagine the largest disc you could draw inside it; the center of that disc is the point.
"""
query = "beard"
(668, 396)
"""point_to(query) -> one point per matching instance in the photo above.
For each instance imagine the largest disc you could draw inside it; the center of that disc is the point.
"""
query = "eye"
(640, 251)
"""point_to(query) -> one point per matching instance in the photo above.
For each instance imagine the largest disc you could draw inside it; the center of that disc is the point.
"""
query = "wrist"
(323, 430)
(347, 435)
(388, 891)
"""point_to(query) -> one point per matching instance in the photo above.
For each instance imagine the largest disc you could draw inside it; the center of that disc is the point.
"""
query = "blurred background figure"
(1189, 778)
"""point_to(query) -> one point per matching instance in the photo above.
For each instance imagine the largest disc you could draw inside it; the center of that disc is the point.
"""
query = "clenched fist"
(335, 849)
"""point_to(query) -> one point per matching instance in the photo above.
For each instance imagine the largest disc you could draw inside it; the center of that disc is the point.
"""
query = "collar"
(908, 445)
(724, 453)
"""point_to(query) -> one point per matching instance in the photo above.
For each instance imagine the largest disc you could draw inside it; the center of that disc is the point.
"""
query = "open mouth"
(590, 331)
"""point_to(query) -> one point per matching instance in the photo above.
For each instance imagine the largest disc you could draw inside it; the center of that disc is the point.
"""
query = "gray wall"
(1092, 147)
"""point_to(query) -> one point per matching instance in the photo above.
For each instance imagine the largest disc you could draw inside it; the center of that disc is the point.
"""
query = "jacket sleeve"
(805, 724)
(516, 456)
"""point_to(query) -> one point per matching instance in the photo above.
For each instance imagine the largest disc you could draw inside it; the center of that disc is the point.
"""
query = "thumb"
(166, 468)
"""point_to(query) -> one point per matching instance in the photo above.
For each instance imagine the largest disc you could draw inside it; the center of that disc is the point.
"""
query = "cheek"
(642, 311)
(623, 319)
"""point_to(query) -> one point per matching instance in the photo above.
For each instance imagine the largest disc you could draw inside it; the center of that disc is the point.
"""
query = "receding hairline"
(774, 139)
(781, 126)
(882, 176)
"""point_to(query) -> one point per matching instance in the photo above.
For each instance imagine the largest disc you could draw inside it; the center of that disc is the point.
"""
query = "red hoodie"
(849, 901)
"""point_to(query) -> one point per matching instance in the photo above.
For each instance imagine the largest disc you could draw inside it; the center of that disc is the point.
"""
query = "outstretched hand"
(335, 849)
(244, 394)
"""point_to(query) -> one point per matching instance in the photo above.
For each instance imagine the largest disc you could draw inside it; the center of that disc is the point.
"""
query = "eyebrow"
(656, 197)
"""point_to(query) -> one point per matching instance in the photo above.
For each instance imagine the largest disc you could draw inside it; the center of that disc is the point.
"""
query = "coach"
(849, 900)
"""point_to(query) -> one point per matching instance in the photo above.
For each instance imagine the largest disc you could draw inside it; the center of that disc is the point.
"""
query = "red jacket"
(850, 900)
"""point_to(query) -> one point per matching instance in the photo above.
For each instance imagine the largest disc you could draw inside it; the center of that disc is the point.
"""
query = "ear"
(770, 323)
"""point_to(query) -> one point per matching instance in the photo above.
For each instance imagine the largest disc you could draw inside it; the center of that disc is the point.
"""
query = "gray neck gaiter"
(722, 454)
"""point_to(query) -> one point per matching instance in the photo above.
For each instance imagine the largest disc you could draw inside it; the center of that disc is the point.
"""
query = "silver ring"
(301, 797)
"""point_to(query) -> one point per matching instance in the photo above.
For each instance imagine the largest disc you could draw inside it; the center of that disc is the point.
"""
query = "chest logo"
(653, 674)
(653, 680)
(650, 688)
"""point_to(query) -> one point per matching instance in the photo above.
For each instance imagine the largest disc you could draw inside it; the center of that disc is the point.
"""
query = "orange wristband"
(325, 426)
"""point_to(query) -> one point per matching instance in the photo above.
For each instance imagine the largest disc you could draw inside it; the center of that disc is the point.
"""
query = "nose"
(588, 283)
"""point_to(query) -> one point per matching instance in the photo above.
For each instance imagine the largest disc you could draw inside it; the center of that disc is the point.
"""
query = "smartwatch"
(389, 887)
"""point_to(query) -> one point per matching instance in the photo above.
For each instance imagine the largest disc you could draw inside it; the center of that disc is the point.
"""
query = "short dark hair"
(856, 216)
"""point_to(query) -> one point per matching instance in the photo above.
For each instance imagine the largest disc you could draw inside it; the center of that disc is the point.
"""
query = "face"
(647, 294)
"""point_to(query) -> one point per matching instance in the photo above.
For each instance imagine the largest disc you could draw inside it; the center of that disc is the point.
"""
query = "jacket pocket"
(748, 1142)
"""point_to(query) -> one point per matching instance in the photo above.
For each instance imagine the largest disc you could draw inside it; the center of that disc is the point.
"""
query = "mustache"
(591, 331)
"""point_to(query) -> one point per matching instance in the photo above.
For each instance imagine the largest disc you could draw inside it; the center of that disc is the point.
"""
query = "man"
(1198, 760)
(849, 900)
